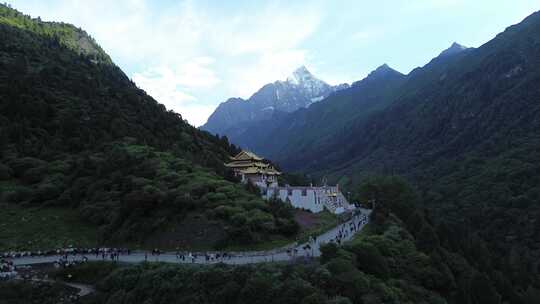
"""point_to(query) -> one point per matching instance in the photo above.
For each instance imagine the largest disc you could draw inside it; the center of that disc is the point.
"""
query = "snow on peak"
(300, 75)
(302, 79)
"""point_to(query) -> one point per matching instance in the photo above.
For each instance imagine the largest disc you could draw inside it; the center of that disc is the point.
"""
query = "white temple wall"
(308, 201)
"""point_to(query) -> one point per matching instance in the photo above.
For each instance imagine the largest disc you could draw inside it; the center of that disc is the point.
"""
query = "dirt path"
(83, 288)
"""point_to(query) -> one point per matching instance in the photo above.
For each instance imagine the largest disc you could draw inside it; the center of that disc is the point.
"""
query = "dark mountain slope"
(481, 101)
(77, 133)
(49, 91)
(310, 136)
(301, 134)
(466, 131)
(320, 136)
(324, 135)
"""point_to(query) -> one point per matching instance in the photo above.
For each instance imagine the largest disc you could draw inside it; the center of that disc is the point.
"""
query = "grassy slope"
(43, 228)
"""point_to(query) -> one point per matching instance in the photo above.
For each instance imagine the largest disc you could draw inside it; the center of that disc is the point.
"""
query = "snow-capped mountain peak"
(301, 75)
(311, 86)
(299, 90)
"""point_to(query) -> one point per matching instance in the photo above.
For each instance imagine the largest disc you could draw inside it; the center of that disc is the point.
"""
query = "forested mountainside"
(469, 139)
(463, 128)
(397, 258)
(300, 90)
(75, 132)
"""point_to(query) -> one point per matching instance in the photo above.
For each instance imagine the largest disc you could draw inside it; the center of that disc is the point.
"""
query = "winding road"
(84, 289)
(287, 253)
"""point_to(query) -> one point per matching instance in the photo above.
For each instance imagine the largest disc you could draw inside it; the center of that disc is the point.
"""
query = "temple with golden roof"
(252, 168)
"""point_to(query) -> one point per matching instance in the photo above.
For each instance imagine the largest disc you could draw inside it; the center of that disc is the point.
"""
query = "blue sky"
(192, 55)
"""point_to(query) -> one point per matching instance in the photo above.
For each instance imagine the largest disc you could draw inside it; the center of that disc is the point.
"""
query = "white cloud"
(163, 85)
(367, 35)
(166, 87)
(180, 52)
(273, 29)
(196, 73)
(268, 68)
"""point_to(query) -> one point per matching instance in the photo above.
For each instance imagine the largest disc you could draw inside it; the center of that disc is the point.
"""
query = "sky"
(193, 55)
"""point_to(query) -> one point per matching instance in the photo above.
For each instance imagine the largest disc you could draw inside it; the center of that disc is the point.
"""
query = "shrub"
(34, 175)
(328, 252)
(5, 172)
(370, 260)
(20, 165)
(18, 194)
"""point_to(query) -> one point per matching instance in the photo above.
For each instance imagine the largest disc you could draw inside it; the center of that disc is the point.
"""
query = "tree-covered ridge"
(54, 100)
(132, 192)
(66, 34)
(469, 139)
(77, 134)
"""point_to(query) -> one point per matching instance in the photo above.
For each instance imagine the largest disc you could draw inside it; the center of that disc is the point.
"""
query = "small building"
(314, 199)
(252, 168)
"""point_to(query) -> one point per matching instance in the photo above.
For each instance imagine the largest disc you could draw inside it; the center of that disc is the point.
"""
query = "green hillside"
(76, 133)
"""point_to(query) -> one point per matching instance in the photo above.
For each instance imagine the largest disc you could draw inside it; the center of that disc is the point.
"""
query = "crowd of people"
(350, 227)
(209, 257)
(354, 225)
(65, 252)
(111, 253)
(7, 269)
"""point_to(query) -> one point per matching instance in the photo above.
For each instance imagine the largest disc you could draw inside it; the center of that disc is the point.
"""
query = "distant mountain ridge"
(306, 130)
(299, 90)
(305, 133)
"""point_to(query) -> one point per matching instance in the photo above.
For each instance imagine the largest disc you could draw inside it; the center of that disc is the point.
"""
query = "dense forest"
(75, 132)
(400, 257)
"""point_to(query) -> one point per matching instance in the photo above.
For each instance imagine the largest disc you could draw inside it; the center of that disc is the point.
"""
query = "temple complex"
(252, 168)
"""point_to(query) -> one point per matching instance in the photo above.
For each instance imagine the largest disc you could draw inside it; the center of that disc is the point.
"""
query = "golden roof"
(248, 163)
(254, 170)
(242, 164)
(246, 155)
